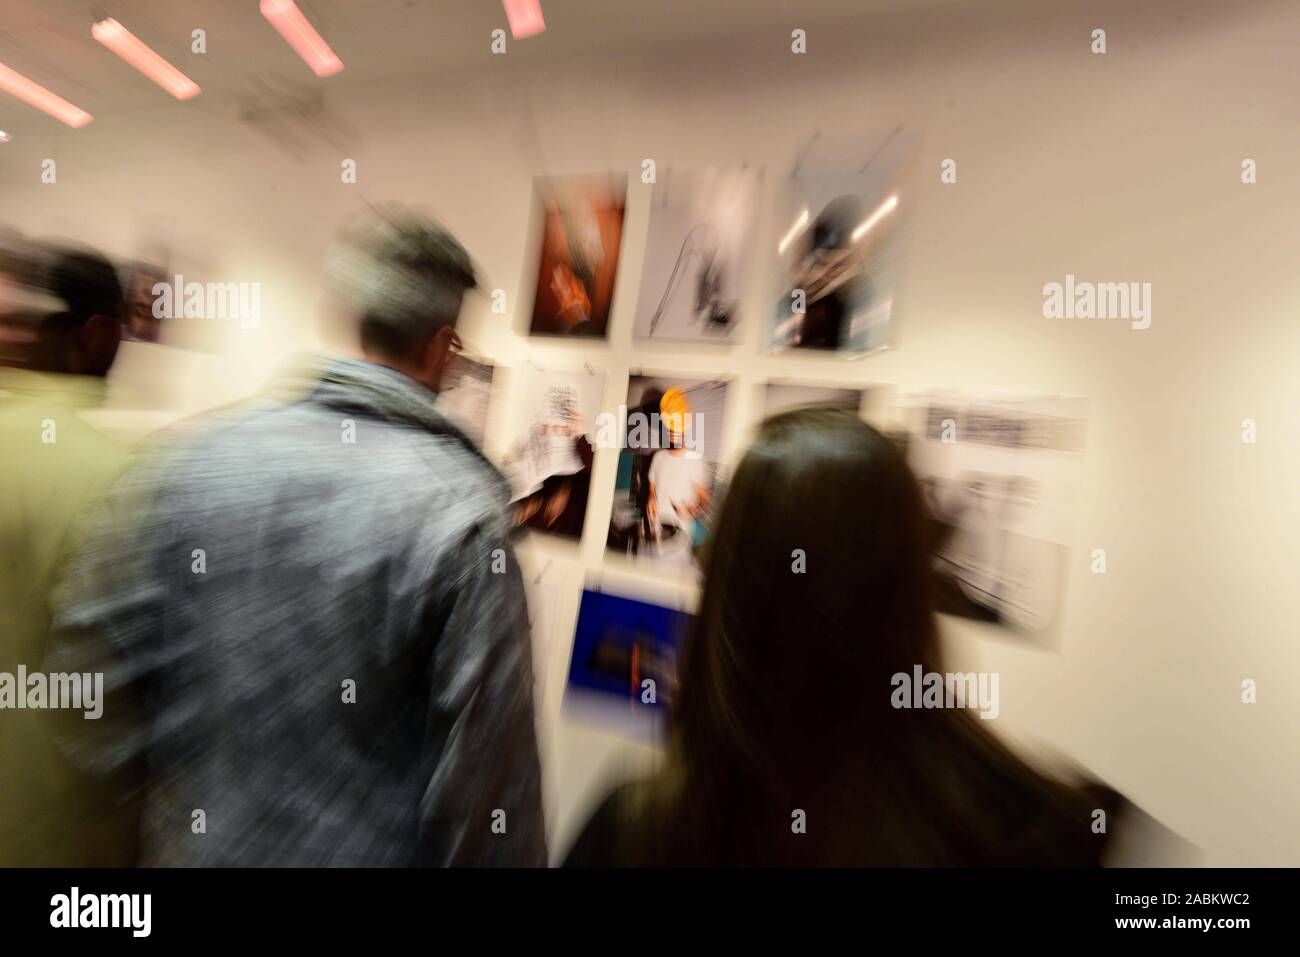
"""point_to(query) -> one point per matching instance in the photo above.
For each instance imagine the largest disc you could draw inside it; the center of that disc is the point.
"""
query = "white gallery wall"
(1122, 167)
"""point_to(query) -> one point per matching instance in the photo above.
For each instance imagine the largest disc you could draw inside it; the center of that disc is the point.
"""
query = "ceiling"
(49, 40)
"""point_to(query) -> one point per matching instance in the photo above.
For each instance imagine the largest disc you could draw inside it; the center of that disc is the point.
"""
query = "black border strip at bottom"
(331, 907)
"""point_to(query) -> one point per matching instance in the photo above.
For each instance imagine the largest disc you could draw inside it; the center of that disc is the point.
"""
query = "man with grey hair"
(308, 612)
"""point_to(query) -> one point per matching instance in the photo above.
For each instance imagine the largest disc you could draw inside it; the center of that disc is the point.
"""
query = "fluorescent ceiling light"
(131, 49)
(795, 230)
(883, 210)
(4, 137)
(289, 21)
(525, 18)
(33, 94)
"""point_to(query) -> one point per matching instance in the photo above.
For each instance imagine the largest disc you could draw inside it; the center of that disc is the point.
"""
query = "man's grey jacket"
(313, 631)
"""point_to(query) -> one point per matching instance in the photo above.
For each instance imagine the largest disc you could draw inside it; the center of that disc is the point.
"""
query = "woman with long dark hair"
(786, 745)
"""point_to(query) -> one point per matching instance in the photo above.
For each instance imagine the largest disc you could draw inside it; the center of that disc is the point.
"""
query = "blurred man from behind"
(309, 613)
(54, 463)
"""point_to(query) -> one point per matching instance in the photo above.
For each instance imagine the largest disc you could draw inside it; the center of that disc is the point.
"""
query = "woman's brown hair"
(817, 592)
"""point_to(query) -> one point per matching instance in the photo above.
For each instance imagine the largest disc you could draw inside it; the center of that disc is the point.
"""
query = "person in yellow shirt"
(56, 463)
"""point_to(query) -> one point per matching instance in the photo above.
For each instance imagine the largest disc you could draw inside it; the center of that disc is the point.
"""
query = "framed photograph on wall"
(1000, 477)
(781, 396)
(699, 249)
(670, 448)
(841, 246)
(548, 465)
(623, 667)
(580, 224)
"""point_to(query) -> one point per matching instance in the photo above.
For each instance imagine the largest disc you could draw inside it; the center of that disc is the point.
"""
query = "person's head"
(403, 277)
(675, 411)
(830, 240)
(84, 338)
(816, 593)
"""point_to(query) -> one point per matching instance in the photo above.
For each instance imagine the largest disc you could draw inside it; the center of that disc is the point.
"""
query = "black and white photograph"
(548, 464)
(1001, 478)
(698, 253)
